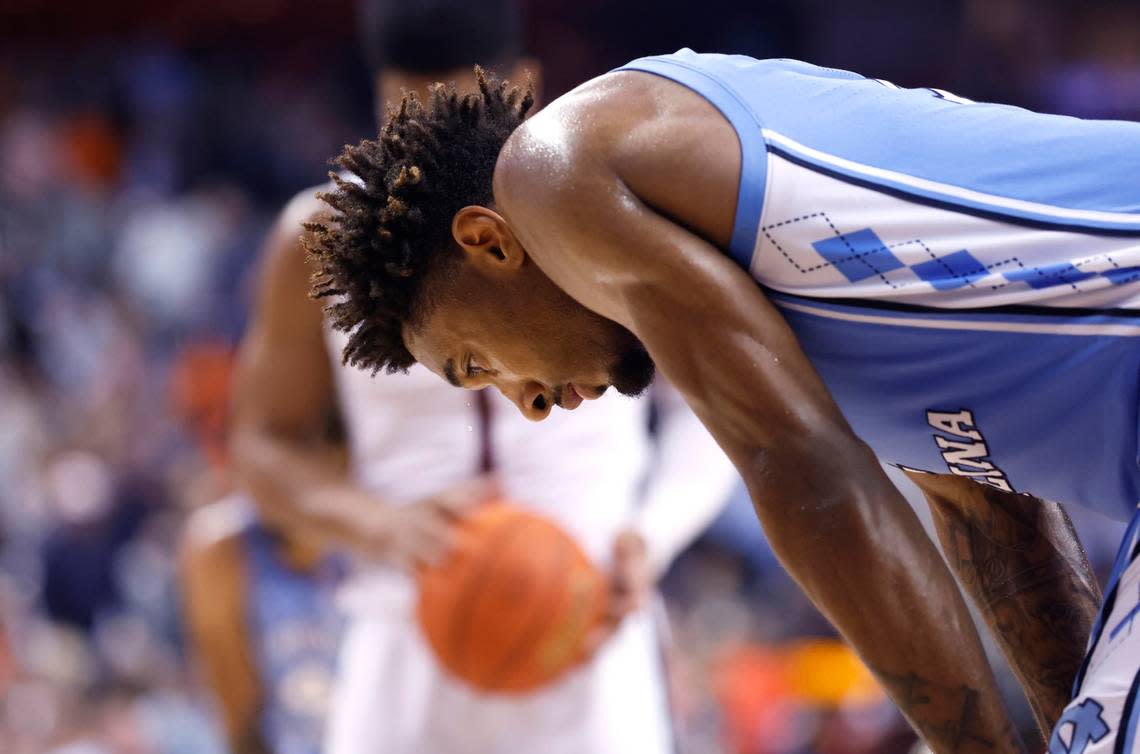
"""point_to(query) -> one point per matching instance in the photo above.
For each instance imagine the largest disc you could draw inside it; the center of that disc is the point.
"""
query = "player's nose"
(534, 401)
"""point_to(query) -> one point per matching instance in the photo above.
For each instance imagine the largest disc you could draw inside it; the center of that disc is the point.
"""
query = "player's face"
(511, 328)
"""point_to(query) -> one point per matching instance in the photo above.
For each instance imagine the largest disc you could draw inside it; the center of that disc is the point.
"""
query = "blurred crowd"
(143, 153)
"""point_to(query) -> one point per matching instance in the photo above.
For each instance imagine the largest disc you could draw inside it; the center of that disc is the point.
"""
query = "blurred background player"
(257, 604)
(420, 454)
(260, 616)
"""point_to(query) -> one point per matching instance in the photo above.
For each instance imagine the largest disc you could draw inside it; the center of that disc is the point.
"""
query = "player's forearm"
(851, 541)
(297, 484)
(1022, 564)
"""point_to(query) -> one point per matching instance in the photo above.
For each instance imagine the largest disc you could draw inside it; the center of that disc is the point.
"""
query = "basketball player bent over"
(415, 449)
(831, 269)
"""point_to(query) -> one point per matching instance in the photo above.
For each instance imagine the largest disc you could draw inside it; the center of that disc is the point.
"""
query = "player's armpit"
(836, 522)
(1019, 559)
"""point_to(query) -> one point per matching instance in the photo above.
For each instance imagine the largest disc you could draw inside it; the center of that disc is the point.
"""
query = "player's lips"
(569, 398)
(587, 393)
(594, 393)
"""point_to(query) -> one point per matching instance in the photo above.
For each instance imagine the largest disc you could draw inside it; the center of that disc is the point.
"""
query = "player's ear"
(483, 235)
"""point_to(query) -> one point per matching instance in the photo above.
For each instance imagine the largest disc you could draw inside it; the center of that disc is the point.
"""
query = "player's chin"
(632, 372)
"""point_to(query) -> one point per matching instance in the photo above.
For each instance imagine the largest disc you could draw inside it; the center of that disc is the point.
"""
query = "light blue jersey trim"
(952, 197)
(753, 153)
(1038, 319)
(988, 160)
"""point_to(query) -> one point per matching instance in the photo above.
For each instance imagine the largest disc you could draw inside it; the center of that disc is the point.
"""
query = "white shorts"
(1105, 712)
(392, 697)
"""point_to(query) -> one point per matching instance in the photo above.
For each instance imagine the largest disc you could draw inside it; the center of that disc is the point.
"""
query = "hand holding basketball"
(631, 579)
(422, 533)
(631, 584)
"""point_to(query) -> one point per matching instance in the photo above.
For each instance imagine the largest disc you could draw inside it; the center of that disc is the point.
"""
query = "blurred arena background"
(144, 149)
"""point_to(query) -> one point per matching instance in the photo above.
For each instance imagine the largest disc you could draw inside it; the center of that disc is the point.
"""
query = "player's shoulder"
(574, 138)
(284, 247)
(624, 134)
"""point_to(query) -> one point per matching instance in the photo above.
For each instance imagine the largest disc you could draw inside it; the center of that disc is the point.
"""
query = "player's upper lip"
(586, 394)
(569, 398)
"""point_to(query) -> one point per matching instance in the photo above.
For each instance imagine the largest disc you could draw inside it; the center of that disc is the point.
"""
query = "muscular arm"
(283, 394)
(834, 519)
(1022, 565)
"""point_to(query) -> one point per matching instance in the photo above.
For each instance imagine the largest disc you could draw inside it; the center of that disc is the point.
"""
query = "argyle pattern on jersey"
(861, 254)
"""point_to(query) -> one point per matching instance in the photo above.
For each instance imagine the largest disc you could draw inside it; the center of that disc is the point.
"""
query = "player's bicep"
(283, 379)
(708, 326)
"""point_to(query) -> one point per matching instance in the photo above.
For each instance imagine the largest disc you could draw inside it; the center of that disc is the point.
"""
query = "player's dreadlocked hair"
(393, 226)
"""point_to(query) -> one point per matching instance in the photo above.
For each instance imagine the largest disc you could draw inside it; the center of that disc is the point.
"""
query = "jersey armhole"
(753, 148)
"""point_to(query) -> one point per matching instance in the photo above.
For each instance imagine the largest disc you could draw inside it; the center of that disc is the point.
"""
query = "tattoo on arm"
(1020, 561)
(947, 716)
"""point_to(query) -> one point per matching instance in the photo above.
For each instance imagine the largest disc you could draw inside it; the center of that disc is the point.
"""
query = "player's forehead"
(423, 348)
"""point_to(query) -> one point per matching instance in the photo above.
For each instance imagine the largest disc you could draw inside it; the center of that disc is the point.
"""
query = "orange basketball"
(511, 607)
